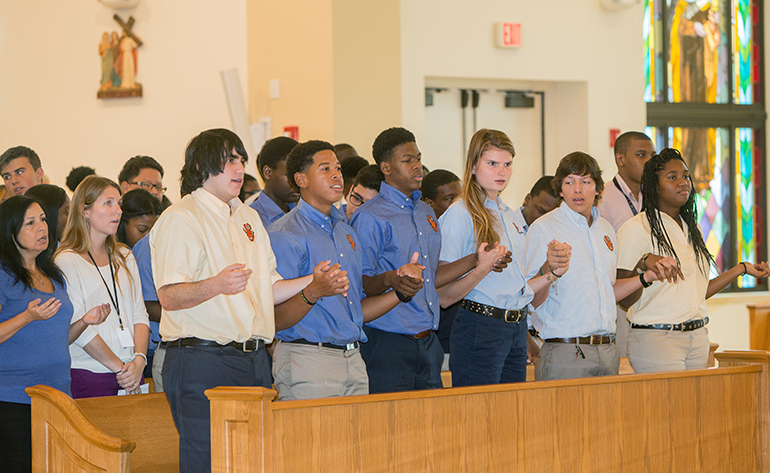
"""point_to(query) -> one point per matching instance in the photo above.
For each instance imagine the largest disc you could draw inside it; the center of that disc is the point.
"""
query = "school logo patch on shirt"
(608, 242)
(432, 223)
(352, 243)
(249, 231)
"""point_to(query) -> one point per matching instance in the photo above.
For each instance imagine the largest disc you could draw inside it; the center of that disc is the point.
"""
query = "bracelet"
(142, 355)
(402, 297)
(302, 293)
(311, 295)
(557, 276)
(745, 269)
(644, 283)
(540, 271)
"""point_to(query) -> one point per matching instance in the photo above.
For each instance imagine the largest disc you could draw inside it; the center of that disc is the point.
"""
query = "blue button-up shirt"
(300, 240)
(506, 290)
(392, 227)
(582, 302)
(141, 251)
(268, 210)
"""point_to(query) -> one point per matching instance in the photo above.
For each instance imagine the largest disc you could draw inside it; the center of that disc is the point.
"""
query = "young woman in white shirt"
(99, 269)
(668, 321)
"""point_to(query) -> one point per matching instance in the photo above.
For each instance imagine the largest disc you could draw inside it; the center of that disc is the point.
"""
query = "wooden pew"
(110, 434)
(696, 421)
(759, 326)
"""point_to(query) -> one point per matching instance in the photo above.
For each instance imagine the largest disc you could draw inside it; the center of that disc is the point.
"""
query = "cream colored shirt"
(663, 302)
(87, 290)
(195, 239)
(614, 205)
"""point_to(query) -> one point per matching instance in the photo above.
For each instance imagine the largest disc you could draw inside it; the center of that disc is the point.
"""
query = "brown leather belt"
(421, 335)
(589, 340)
(510, 316)
(247, 346)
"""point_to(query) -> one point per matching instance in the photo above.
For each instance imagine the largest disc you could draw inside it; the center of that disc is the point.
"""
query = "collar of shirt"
(324, 221)
(397, 197)
(215, 204)
(627, 191)
(265, 205)
(519, 221)
(578, 218)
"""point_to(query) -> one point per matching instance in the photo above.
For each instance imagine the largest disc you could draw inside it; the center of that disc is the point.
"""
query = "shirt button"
(341, 255)
(420, 233)
(427, 280)
(430, 303)
(424, 256)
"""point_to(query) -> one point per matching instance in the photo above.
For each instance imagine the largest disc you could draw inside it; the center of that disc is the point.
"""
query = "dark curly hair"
(388, 140)
(687, 212)
(301, 158)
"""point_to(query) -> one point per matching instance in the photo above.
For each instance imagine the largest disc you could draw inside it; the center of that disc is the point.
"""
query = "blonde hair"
(485, 223)
(77, 232)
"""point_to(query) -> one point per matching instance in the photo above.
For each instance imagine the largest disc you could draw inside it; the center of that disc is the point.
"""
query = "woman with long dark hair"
(35, 312)
(99, 269)
(140, 212)
(668, 321)
(56, 205)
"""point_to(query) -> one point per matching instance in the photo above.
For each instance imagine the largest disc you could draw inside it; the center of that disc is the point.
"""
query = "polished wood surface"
(759, 326)
(696, 421)
(110, 434)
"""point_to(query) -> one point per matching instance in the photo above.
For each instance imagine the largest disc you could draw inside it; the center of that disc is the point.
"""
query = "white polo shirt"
(582, 302)
(195, 239)
(663, 302)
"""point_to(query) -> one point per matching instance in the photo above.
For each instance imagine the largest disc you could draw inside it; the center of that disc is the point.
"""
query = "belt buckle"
(512, 316)
(350, 346)
(591, 339)
(250, 345)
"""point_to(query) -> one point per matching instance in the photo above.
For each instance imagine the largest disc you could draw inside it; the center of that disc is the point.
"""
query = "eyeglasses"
(149, 186)
(356, 199)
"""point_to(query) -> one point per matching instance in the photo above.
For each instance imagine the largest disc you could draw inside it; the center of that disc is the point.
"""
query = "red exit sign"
(508, 35)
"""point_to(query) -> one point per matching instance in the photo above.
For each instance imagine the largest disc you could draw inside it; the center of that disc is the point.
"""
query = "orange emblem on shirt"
(352, 243)
(608, 242)
(432, 223)
(249, 231)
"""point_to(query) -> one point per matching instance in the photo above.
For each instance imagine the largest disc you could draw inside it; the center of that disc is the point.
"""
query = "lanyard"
(114, 300)
(630, 204)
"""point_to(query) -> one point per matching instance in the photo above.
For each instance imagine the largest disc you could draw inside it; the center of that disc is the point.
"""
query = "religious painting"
(118, 53)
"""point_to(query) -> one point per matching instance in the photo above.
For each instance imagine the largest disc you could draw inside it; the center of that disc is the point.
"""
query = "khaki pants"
(311, 372)
(564, 361)
(652, 350)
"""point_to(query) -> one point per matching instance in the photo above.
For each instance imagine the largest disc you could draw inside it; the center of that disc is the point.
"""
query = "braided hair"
(687, 212)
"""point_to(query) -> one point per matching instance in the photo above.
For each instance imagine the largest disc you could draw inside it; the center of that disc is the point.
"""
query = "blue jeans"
(397, 362)
(187, 372)
(486, 350)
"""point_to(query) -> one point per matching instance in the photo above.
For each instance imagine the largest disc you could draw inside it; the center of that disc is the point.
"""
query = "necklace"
(38, 278)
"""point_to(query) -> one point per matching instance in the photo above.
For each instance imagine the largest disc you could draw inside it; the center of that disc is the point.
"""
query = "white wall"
(50, 71)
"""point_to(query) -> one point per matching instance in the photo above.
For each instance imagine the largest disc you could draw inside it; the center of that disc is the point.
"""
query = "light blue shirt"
(300, 240)
(392, 227)
(582, 302)
(268, 210)
(506, 290)
(141, 251)
(519, 222)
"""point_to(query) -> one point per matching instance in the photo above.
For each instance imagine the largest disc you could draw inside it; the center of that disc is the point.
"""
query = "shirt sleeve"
(456, 232)
(139, 309)
(372, 236)
(144, 262)
(290, 255)
(537, 241)
(633, 242)
(75, 284)
(174, 260)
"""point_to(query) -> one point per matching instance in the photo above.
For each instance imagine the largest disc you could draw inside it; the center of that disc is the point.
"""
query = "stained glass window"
(704, 92)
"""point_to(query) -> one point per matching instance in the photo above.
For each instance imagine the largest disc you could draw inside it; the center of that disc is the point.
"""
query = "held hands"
(407, 279)
(46, 310)
(558, 256)
(492, 257)
(662, 268)
(130, 376)
(233, 279)
(328, 280)
(97, 315)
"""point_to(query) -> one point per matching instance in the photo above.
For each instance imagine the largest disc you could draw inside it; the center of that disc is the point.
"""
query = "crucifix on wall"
(119, 62)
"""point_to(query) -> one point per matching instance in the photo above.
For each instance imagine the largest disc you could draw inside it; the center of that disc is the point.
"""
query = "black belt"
(595, 339)
(302, 341)
(247, 346)
(511, 315)
(688, 326)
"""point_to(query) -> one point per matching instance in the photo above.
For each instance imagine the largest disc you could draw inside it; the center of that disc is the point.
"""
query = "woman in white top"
(488, 343)
(99, 269)
(668, 321)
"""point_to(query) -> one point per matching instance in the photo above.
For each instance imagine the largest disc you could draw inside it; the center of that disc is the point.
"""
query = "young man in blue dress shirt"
(320, 355)
(278, 197)
(403, 351)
